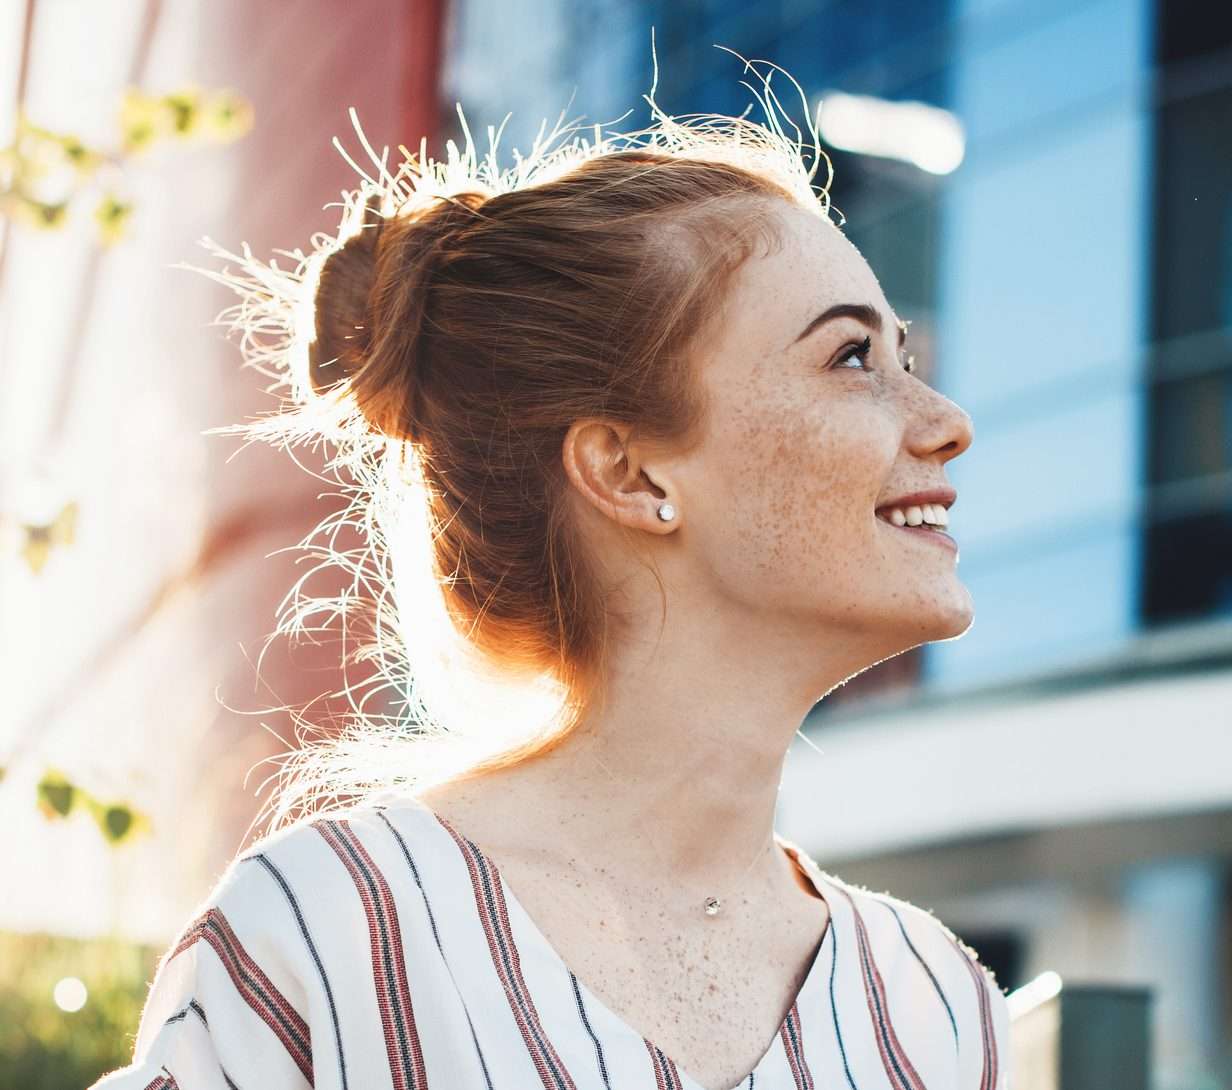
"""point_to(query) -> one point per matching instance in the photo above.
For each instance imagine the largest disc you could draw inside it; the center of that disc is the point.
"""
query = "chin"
(952, 623)
(939, 619)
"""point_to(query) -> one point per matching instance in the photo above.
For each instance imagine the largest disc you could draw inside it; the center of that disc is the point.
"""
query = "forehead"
(778, 290)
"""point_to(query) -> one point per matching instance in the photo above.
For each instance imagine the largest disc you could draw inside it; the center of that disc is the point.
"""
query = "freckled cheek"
(800, 487)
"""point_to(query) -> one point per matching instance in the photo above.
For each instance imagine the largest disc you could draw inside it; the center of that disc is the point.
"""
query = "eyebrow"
(864, 313)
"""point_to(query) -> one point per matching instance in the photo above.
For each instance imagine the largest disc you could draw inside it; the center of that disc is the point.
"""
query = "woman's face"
(804, 445)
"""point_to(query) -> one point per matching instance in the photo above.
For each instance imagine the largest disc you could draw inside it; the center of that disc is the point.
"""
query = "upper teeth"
(932, 513)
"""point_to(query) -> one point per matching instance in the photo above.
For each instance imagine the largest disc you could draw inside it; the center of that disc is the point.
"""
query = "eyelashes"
(864, 349)
(859, 352)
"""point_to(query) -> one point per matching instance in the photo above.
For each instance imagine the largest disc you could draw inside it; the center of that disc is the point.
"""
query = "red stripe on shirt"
(667, 1076)
(792, 1036)
(898, 1068)
(402, 1045)
(256, 989)
(988, 1076)
(494, 916)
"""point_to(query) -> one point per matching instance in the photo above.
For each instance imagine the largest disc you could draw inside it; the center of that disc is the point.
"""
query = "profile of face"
(782, 505)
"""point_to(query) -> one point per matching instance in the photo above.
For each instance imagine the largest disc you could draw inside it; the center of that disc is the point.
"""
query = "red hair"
(461, 322)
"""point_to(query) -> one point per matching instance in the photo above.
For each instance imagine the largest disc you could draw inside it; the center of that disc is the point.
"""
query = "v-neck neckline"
(806, 989)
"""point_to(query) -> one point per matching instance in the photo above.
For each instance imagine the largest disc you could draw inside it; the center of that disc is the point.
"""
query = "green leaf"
(117, 822)
(56, 795)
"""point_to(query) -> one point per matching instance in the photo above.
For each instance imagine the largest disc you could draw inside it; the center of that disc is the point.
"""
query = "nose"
(941, 428)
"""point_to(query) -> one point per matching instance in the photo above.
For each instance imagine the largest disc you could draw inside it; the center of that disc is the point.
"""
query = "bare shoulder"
(493, 818)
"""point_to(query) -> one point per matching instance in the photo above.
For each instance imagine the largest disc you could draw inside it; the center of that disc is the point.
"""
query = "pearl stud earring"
(667, 512)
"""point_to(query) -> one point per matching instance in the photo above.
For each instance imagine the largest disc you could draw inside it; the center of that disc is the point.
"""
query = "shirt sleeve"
(226, 1006)
(984, 1018)
(994, 1024)
(1001, 1033)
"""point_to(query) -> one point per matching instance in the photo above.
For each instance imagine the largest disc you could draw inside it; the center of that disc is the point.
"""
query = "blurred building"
(130, 660)
(1057, 784)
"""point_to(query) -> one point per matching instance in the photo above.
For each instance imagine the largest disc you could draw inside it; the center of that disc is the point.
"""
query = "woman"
(671, 460)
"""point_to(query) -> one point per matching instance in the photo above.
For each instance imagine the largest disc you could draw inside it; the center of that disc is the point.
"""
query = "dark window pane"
(1188, 528)
(1192, 28)
(1192, 428)
(1193, 210)
(1190, 573)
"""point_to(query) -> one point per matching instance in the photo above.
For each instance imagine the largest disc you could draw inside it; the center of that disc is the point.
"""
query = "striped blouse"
(381, 950)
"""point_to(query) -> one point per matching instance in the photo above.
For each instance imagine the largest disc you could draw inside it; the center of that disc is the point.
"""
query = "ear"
(607, 471)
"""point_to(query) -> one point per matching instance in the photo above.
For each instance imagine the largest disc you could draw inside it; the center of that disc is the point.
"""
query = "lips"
(944, 495)
(939, 536)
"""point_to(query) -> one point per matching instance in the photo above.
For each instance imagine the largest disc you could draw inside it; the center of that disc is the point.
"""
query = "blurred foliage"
(190, 113)
(58, 797)
(45, 1048)
(38, 539)
(43, 172)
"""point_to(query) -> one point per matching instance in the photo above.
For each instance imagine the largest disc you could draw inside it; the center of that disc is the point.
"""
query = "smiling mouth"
(924, 531)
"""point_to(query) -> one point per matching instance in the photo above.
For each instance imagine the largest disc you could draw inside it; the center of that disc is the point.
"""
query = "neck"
(691, 738)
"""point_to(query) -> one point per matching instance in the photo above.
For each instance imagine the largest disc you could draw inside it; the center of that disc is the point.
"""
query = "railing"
(1079, 1036)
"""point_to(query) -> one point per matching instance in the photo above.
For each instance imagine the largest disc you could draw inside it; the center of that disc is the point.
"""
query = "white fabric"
(380, 950)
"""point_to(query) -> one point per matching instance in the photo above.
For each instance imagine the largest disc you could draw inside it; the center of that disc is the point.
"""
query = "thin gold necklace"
(712, 904)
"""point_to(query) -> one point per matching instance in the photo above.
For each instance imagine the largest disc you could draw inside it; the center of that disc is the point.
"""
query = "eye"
(862, 350)
(857, 352)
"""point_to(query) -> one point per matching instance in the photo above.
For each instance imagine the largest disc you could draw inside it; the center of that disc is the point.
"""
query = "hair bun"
(341, 313)
(370, 306)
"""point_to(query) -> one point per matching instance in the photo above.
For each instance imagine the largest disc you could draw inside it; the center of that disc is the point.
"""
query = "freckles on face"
(809, 491)
(796, 455)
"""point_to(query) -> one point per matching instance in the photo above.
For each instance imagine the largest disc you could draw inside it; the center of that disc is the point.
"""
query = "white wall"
(940, 772)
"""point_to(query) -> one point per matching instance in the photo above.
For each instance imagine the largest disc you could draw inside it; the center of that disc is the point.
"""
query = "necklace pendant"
(712, 906)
